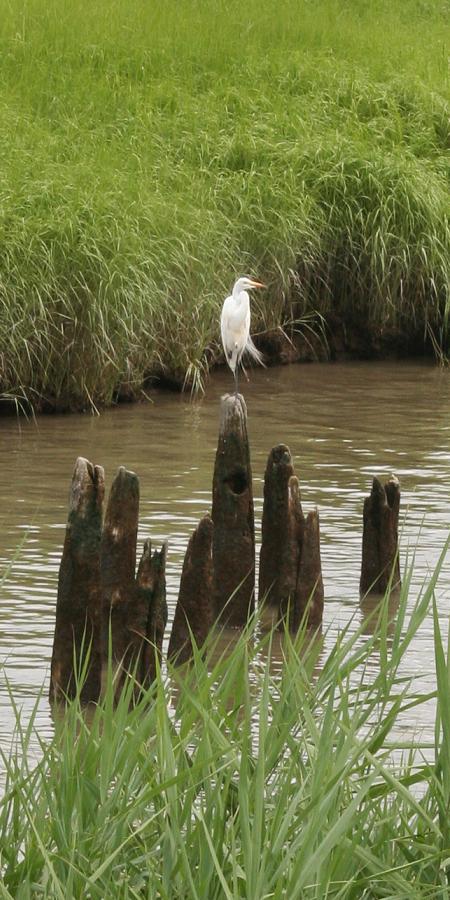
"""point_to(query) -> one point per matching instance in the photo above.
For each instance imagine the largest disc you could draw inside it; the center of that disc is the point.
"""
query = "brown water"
(344, 423)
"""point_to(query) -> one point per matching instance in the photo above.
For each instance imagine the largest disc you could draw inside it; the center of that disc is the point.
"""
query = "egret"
(235, 325)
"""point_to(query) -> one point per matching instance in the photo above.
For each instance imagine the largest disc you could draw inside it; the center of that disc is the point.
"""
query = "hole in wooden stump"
(237, 481)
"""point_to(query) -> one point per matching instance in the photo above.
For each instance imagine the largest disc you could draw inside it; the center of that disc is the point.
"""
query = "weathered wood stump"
(134, 608)
(309, 594)
(118, 568)
(102, 604)
(233, 516)
(194, 612)
(290, 575)
(282, 526)
(380, 565)
(78, 619)
(149, 616)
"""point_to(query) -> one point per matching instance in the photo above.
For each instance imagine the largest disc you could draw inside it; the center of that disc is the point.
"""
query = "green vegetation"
(231, 781)
(152, 151)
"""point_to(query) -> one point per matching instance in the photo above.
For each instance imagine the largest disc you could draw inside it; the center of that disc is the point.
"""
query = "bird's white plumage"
(235, 325)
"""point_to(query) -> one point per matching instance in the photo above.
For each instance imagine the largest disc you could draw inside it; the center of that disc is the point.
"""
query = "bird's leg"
(236, 390)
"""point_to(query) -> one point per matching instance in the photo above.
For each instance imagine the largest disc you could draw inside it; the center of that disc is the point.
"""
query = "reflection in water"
(343, 423)
(264, 653)
(266, 647)
(375, 610)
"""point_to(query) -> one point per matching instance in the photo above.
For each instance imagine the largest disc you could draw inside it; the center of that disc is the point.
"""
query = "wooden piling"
(233, 516)
(149, 613)
(282, 524)
(194, 611)
(78, 607)
(118, 567)
(380, 566)
(290, 574)
(103, 604)
(309, 594)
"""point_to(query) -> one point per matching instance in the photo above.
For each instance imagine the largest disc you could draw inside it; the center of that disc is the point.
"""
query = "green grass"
(229, 780)
(153, 151)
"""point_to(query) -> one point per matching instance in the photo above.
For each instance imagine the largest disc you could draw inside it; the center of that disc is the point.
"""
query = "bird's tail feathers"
(254, 352)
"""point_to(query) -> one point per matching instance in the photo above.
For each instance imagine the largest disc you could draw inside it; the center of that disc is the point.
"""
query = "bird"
(235, 325)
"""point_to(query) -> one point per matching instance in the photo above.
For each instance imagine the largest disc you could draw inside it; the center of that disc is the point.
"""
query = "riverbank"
(151, 155)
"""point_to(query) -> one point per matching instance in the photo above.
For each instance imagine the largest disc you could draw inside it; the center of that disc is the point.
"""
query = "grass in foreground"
(151, 152)
(229, 781)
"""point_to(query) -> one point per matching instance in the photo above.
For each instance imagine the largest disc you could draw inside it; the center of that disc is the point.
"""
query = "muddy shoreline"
(336, 341)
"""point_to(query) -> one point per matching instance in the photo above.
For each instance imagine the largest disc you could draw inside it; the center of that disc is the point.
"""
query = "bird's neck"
(240, 296)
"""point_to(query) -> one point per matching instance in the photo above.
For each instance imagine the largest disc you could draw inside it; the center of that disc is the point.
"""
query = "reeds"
(150, 153)
(231, 779)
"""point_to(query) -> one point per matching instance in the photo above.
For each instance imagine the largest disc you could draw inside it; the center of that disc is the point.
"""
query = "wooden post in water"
(118, 567)
(78, 606)
(134, 607)
(194, 612)
(309, 594)
(100, 598)
(290, 574)
(380, 564)
(233, 517)
(149, 612)
(282, 526)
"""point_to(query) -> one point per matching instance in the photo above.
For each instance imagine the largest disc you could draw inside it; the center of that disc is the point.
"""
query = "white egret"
(235, 325)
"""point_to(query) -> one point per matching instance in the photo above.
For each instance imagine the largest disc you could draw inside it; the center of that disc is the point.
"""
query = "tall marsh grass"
(233, 780)
(150, 152)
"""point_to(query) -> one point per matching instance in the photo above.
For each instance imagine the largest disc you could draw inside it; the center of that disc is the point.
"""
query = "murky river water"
(344, 423)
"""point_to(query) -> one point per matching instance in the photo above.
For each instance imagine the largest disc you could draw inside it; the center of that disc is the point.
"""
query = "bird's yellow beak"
(258, 284)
